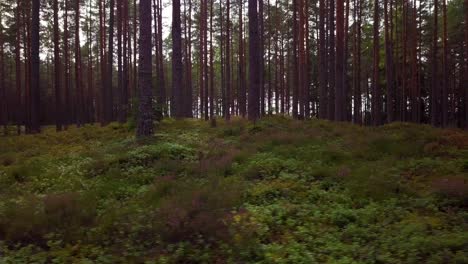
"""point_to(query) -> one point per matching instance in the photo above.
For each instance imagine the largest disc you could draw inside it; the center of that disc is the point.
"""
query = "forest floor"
(279, 191)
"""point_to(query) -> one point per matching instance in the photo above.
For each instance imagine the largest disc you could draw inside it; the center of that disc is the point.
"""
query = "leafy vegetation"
(278, 191)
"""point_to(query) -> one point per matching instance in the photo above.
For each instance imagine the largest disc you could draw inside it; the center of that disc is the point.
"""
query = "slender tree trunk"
(124, 91)
(242, 84)
(376, 93)
(201, 63)
(27, 66)
(102, 48)
(389, 66)
(145, 108)
(3, 93)
(78, 74)
(19, 114)
(322, 71)
(301, 58)
(57, 67)
(466, 64)
(109, 97)
(205, 58)
(90, 109)
(445, 81)
(331, 63)
(346, 91)
(404, 75)
(35, 80)
(339, 67)
(262, 61)
(296, 67)
(254, 61)
(435, 109)
(161, 74)
(119, 61)
(188, 61)
(414, 68)
(222, 60)
(177, 67)
(135, 75)
(228, 61)
(212, 95)
(67, 112)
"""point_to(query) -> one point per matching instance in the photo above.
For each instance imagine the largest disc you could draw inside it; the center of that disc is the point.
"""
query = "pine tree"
(145, 108)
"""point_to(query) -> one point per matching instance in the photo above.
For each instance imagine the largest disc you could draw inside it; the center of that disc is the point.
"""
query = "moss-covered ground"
(279, 191)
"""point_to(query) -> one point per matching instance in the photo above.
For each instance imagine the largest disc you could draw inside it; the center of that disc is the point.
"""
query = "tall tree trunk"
(188, 61)
(119, 61)
(177, 67)
(57, 67)
(296, 66)
(389, 66)
(212, 95)
(228, 61)
(205, 58)
(414, 68)
(331, 63)
(124, 92)
(134, 67)
(102, 48)
(445, 81)
(262, 61)
(3, 94)
(222, 60)
(346, 91)
(67, 112)
(302, 58)
(466, 65)
(201, 66)
(27, 65)
(254, 61)
(322, 71)
(35, 80)
(357, 96)
(242, 84)
(19, 114)
(90, 109)
(339, 59)
(145, 108)
(161, 77)
(78, 74)
(404, 75)
(109, 97)
(435, 109)
(376, 93)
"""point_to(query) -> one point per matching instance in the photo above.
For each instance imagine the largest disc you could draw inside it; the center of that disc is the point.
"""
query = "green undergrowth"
(277, 191)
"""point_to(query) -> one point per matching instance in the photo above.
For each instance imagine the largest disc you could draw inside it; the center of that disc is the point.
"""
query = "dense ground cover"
(279, 191)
